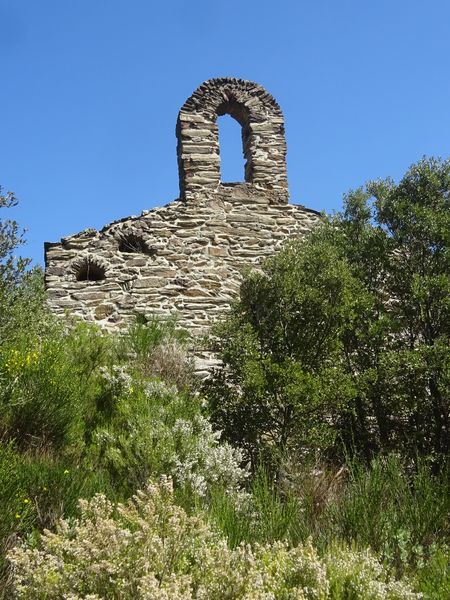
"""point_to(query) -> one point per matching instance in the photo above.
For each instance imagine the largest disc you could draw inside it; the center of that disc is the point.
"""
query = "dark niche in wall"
(135, 244)
(88, 270)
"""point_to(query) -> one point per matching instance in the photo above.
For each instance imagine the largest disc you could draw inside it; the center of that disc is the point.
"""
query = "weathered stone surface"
(197, 246)
(202, 262)
(103, 310)
(263, 140)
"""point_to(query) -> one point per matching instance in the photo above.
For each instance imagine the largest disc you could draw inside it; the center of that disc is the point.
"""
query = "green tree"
(344, 337)
(281, 385)
(11, 236)
(21, 289)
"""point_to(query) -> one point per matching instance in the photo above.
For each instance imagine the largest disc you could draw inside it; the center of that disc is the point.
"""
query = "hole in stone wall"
(134, 243)
(89, 271)
(231, 155)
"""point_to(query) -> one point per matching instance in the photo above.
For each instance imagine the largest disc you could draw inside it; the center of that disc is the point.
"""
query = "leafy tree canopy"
(342, 340)
(11, 236)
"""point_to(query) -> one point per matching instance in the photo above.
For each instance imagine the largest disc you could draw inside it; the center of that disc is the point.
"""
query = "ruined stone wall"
(187, 257)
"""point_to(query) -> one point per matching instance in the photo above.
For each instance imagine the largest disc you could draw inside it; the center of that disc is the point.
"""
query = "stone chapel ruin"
(187, 257)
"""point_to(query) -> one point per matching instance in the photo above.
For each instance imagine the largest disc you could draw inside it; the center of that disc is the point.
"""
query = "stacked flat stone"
(188, 257)
(263, 138)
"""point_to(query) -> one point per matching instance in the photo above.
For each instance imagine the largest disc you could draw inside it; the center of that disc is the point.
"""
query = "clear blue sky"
(90, 91)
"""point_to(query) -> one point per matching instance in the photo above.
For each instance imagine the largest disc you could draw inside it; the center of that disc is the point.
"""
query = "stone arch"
(134, 243)
(263, 139)
(87, 267)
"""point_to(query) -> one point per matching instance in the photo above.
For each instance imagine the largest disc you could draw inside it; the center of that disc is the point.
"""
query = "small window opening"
(134, 243)
(231, 152)
(90, 271)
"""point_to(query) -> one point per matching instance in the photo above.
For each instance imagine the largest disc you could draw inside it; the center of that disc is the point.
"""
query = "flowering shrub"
(41, 397)
(116, 379)
(149, 548)
(200, 461)
(13, 360)
(160, 430)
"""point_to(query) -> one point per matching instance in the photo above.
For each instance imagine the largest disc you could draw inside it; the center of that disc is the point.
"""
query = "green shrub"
(341, 342)
(152, 429)
(49, 386)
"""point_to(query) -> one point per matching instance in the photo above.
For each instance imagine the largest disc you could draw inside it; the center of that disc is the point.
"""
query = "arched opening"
(200, 152)
(88, 270)
(134, 243)
(232, 161)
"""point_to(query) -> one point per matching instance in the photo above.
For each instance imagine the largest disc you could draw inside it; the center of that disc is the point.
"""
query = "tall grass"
(262, 515)
(400, 511)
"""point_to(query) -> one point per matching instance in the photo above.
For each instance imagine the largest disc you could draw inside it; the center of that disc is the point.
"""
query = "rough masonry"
(187, 257)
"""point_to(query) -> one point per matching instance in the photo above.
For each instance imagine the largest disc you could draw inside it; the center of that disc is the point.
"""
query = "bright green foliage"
(344, 339)
(282, 387)
(150, 548)
(49, 386)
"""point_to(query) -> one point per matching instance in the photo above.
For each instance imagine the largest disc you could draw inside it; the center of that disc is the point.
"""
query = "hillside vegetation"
(313, 464)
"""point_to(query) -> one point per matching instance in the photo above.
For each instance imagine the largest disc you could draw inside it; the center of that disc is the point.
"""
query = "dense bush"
(343, 341)
(155, 430)
(49, 386)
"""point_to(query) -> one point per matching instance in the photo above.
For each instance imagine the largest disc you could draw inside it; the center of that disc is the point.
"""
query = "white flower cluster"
(150, 549)
(163, 432)
(160, 389)
(362, 576)
(200, 460)
(117, 379)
